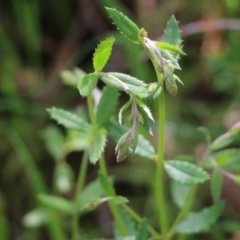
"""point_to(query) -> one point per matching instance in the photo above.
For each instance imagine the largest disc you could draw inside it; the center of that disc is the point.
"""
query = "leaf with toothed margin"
(97, 147)
(145, 120)
(145, 108)
(185, 173)
(124, 107)
(201, 221)
(102, 53)
(69, 120)
(172, 34)
(126, 26)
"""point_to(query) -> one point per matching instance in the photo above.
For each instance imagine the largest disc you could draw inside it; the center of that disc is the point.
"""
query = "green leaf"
(123, 108)
(223, 141)
(169, 47)
(216, 185)
(69, 120)
(94, 203)
(102, 53)
(144, 147)
(63, 177)
(92, 191)
(174, 60)
(87, 84)
(179, 193)
(172, 34)
(54, 141)
(106, 185)
(55, 202)
(201, 221)
(107, 105)
(145, 120)
(36, 218)
(71, 77)
(130, 226)
(185, 173)
(142, 231)
(145, 108)
(97, 147)
(127, 27)
(228, 158)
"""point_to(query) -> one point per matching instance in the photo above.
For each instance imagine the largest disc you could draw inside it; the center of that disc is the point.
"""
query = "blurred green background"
(39, 39)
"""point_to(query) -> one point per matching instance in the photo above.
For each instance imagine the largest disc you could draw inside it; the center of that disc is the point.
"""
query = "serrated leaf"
(126, 26)
(146, 123)
(201, 221)
(123, 108)
(144, 147)
(169, 47)
(141, 233)
(55, 202)
(216, 185)
(87, 84)
(97, 147)
(106, 185)
(107, 105)
(63, 177)
(179, 193)
(185, 173)
(145, 108)
(69, 120)
(172, 34)
(102, 53)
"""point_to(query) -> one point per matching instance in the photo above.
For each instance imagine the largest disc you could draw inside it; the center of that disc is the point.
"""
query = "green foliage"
(185, 173)
(102, 53)
(107, 105)
(55, 202)
(172, 33)
(87, 84)
(216, 185)
(106, 185)
(97, 146)
(128, 28)
(69, 120)
(201, 221)
(142, 231)
(169, 47)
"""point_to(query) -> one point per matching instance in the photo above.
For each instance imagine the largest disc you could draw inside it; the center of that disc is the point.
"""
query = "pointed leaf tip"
(102, 53)
(126, 26)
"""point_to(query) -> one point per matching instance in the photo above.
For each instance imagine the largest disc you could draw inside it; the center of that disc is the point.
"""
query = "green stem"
(80, 184)
(160, 199)
(186, 208)
(137, 218)
(102, 164)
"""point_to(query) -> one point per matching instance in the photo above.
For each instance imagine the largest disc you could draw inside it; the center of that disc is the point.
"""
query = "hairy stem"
(160, 199)
(80, 183)
(102, 164)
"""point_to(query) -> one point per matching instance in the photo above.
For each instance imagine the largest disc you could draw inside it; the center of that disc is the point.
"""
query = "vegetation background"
(39, 39)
